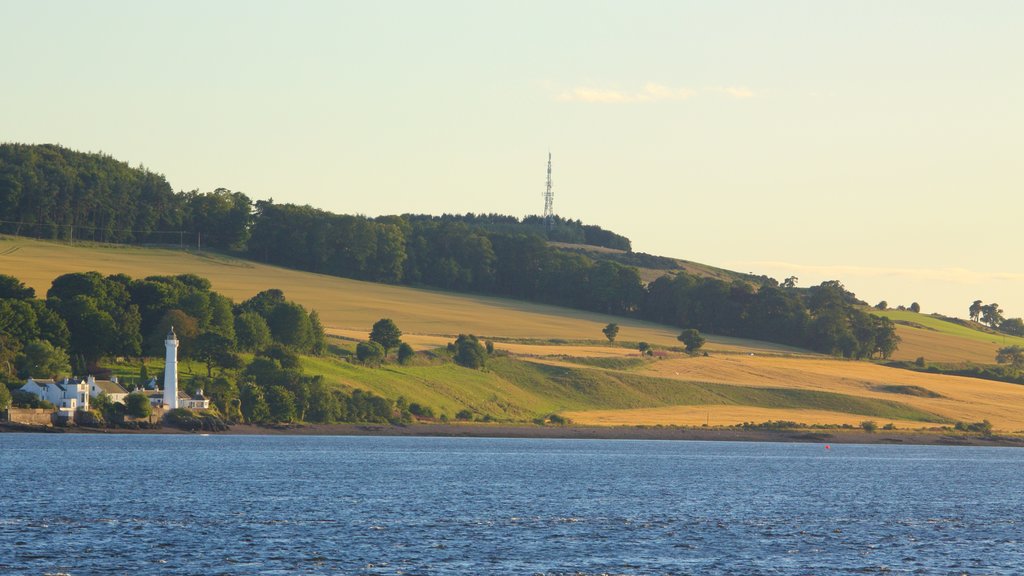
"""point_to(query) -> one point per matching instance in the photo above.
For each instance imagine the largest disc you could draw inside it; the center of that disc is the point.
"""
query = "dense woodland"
(87, 317)
(51, 192)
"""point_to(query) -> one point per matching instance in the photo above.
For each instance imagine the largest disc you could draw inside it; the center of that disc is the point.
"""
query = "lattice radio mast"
(549, 198)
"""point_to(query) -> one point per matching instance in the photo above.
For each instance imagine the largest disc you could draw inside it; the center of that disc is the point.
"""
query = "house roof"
(110, 387)
(160, 394)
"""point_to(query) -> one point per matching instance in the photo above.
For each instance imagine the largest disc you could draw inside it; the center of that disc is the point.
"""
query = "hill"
(940, 340)
(558, 361)
(345, 304)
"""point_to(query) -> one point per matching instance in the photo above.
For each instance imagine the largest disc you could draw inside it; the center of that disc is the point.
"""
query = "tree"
(386, 334)
(869, 425)
(883, 305)
(915, 307)
(214, 349)
(281, 404)
(975, 311)
(289, 324)
(254, 405)
(251, 331)
(1012, 326)
(5, 397)
(11, 287)
(1012, 355)
(39, 358)
(691, 339)
(469, 352)
(644, 348)
(137, 405)
(611, 331)
(370, 353)
(405, 353)
(992, 314)
(790, 282)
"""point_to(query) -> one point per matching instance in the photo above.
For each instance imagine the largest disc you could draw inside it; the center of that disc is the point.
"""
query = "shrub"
(22, 399)
(463, 415)
(405, 353)
(370, 353)
(137, 405)
(421, 411)
(469, 352)
(869, 425)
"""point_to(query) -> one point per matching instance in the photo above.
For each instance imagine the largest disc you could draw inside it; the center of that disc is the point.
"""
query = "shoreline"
(819, 436)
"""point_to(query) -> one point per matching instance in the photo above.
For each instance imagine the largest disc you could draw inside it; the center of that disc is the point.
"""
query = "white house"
(197, 402)
(111, 387)
(72, 394)
(67, 395)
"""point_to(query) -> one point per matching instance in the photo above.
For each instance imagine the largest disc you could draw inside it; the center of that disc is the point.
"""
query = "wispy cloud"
(651, 92)
(737, 92)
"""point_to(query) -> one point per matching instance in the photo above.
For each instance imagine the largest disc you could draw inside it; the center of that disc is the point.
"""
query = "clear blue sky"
(877, 143)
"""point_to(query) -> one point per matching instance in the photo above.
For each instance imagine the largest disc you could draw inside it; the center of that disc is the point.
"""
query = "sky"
(873, 142)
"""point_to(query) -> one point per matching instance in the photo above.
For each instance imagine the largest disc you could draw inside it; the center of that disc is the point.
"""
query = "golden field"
(548, 334)
(342, 303)
(963, 399)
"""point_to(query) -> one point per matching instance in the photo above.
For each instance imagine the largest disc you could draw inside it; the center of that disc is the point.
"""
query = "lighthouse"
(171, 371)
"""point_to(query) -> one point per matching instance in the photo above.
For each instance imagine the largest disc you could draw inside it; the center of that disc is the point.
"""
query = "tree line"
(487, 254)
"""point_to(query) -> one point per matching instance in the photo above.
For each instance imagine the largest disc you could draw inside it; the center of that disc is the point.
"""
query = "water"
(138, 504)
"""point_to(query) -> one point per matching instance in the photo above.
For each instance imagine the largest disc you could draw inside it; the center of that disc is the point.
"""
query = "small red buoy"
(827, 447)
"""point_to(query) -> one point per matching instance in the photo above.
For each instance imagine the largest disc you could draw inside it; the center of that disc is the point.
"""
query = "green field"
(556, 359)
(516, 389)
(946, 327)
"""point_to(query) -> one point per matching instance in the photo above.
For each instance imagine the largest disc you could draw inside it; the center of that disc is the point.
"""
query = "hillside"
(939, 340)
(345, 304)
(559, 362)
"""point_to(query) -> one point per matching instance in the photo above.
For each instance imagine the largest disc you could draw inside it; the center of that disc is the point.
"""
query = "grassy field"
(558, 362)
(939, 340)
(343, 304)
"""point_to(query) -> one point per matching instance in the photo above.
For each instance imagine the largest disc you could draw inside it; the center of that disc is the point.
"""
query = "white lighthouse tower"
(171, 371)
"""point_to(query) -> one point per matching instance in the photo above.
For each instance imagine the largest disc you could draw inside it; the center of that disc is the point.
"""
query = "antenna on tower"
(549, 199)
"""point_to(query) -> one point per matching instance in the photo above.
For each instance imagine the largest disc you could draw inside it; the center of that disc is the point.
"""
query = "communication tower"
(549, 198)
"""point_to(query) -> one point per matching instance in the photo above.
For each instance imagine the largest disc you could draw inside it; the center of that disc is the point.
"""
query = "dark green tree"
(281, 404)
(691, 339)
(214, 349)
(469, 352)
(644, 348)
(386, 333)
(915, 307)
(5, 397)
(370, 353)
(1012, 355)
(137, 405)
(289, 324)
(1012, 326)
(405, 353)
(12, 288)
(251, 332)
(992, 314)
(40, 359)
(253, 404)
(975, 311)
(611, 331)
